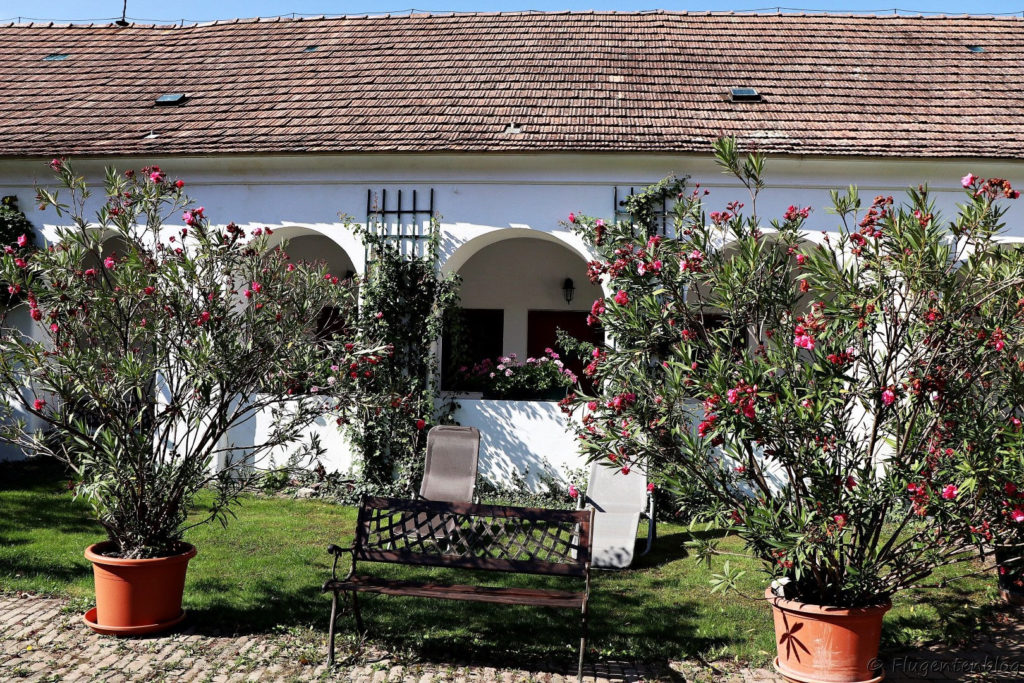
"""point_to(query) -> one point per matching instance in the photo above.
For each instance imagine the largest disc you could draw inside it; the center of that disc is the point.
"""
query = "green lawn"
(264, 571)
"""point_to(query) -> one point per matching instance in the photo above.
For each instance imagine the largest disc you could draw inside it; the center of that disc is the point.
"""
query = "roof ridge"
(413, 14)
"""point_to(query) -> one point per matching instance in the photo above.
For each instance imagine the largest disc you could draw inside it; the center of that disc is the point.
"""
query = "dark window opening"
(475, 335)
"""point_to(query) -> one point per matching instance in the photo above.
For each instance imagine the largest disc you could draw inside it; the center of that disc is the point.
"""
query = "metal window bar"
(408, 226)
(661, 217)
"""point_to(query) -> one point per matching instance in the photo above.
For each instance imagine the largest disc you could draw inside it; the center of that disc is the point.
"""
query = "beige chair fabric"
(449, 473)
(619, 501)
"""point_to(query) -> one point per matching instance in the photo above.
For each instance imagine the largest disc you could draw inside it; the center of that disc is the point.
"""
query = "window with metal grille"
(402, 217)
(662, 224)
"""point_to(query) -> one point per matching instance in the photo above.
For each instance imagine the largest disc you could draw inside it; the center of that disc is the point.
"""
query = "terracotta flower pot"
(136, 596)
(827, 644)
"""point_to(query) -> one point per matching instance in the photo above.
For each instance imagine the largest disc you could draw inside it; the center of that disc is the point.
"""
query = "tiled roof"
(658, 81)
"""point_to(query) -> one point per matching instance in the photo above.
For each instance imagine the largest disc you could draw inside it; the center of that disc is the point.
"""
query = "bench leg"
(583, 646)
(355, 611)
(334, 616)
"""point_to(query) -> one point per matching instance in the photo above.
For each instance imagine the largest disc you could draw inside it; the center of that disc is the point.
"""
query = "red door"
(542, 332)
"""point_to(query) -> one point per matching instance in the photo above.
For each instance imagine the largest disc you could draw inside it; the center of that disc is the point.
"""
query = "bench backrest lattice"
(472, 536)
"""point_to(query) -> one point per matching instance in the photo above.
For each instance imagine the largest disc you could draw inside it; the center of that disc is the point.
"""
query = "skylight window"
(744, 95)
(975, 48)
(312, 48)
(170, 99)
(55, 57)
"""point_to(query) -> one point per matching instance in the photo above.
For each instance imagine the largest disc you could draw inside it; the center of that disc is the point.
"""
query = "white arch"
(460, 253)
(343, 240)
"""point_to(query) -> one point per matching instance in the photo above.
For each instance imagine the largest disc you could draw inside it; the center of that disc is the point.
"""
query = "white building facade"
(501, 124)
(502, 222)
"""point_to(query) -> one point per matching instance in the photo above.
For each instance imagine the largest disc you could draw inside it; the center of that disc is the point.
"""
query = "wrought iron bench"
(467, 536)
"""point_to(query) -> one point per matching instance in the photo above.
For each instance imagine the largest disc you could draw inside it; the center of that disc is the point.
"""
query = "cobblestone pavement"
(44, 639)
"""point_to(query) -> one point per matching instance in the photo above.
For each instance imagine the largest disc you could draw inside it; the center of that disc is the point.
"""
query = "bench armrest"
(338, 551)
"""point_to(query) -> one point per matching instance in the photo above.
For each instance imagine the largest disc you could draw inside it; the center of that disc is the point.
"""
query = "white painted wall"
(19, 320)
(518, 436)
(490, 202)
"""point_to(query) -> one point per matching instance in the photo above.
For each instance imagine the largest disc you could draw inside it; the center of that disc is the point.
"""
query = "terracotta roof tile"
(652, 81)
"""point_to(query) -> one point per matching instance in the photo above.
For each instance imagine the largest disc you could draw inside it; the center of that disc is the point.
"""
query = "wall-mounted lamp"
(568, 289)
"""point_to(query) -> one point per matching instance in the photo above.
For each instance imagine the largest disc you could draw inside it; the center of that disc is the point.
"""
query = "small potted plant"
(823, 391)
(152, 335)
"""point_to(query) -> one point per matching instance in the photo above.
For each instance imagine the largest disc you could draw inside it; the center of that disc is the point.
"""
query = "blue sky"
(205, 10)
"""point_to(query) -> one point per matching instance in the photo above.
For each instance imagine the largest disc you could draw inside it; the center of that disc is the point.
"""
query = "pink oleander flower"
(38, 404)
(573, 492)
(621, 298)
(949, 492)
(22, 240)
(572, 218)
(109, 262)
(179, 184)
(1017, 515)
(840, 520)
(54, 327)
(804, 341)
(156, 176)
(888, 397)
(420, 424)
(625, 469)
(89, 272)
(650, 488)
(21, 263)
(968, 180)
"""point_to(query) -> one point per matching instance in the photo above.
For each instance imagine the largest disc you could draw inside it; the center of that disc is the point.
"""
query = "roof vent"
(975, 48)
(312, 48)
(514, 128)
(152, 135)
(55, 57)
(744, 95)
(170, 99)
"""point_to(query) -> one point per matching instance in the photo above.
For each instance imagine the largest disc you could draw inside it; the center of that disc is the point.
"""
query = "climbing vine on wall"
(405, 300)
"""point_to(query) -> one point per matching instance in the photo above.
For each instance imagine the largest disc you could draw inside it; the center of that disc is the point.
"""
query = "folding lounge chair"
(449, 473)
(619, 500)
